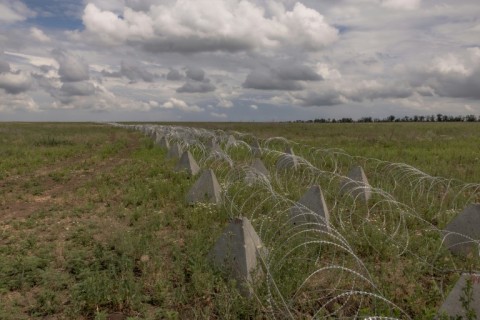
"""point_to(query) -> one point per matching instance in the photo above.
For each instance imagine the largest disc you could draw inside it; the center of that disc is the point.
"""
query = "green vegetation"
(93, 224)
(448, 150)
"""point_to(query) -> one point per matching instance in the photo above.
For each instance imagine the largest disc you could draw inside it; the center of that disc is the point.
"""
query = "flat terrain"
(450, 150)
(93, 223)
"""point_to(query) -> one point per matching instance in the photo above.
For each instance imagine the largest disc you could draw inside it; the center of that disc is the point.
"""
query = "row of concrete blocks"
(239, 248)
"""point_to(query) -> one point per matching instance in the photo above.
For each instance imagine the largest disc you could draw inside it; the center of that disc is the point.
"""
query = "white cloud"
(20, 102)
(451, 75)
(39, 35)
(71, 67)
(402, 4)
(210, 25)
(306, 27)
(224, 103)
(254, 107)
(450, 64)
(218, 115)
(327, 72)
(181, 105)
(15, 82)
(14, 11)
(34, 59)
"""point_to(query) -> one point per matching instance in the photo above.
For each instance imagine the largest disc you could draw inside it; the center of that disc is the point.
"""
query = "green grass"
(93, 222)
(440, 149)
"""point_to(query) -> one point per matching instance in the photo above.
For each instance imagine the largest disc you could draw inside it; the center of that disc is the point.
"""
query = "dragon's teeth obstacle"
(206, 189)
(463, 298)
(238, 250)
(256, 172)
(356, 184)
(175, 152)
(462, 234)
(256, 148)
(288, 160)
(311, 208)
(163, 143)
(187, 163)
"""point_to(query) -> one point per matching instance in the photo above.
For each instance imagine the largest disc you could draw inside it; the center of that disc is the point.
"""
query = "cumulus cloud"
(321, 98)
(455, 76)
(140, 5)
(280, 77)
(15, 82)
(178, 104)
(4, 66)
(71, 67)
(86, 96)
(39, 35)
(360, 91)
(196, 87)
(209, 25)
(196, 82)
(265, 79)
(83, 88)
(219, 115)
(20, 102)
(174, 75)
(224, 103)
(401, 4)
(306, 27)
(196, 74)
(14, 11)
(132, 72)
(254, 107)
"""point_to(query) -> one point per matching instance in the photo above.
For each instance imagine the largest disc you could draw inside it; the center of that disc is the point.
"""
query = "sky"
(237, 60)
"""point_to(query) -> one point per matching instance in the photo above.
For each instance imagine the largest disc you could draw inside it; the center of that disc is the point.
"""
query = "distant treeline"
(432, 118)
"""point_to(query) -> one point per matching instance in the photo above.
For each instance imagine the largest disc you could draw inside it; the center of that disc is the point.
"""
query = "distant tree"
(365, 119)
(470, 118)
(391, 118)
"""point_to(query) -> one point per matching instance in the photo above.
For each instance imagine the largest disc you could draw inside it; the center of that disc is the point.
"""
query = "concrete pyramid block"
(163, 143)
(231, 141)
(175, 152)
(453, 307)
(356, 184)
(205, 189)
(256, 148)
(239, 249)
(288, 160)
(258, 166)
(311, 202)
(462, 234)
(188, 163)
(158, 137)
(257, 171)
(212, 146)
(152, 133)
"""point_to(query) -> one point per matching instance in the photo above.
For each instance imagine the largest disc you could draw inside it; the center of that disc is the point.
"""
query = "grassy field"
(448, 150)
(93, 223)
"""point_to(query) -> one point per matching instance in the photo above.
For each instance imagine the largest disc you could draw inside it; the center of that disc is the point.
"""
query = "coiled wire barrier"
(373, 259)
